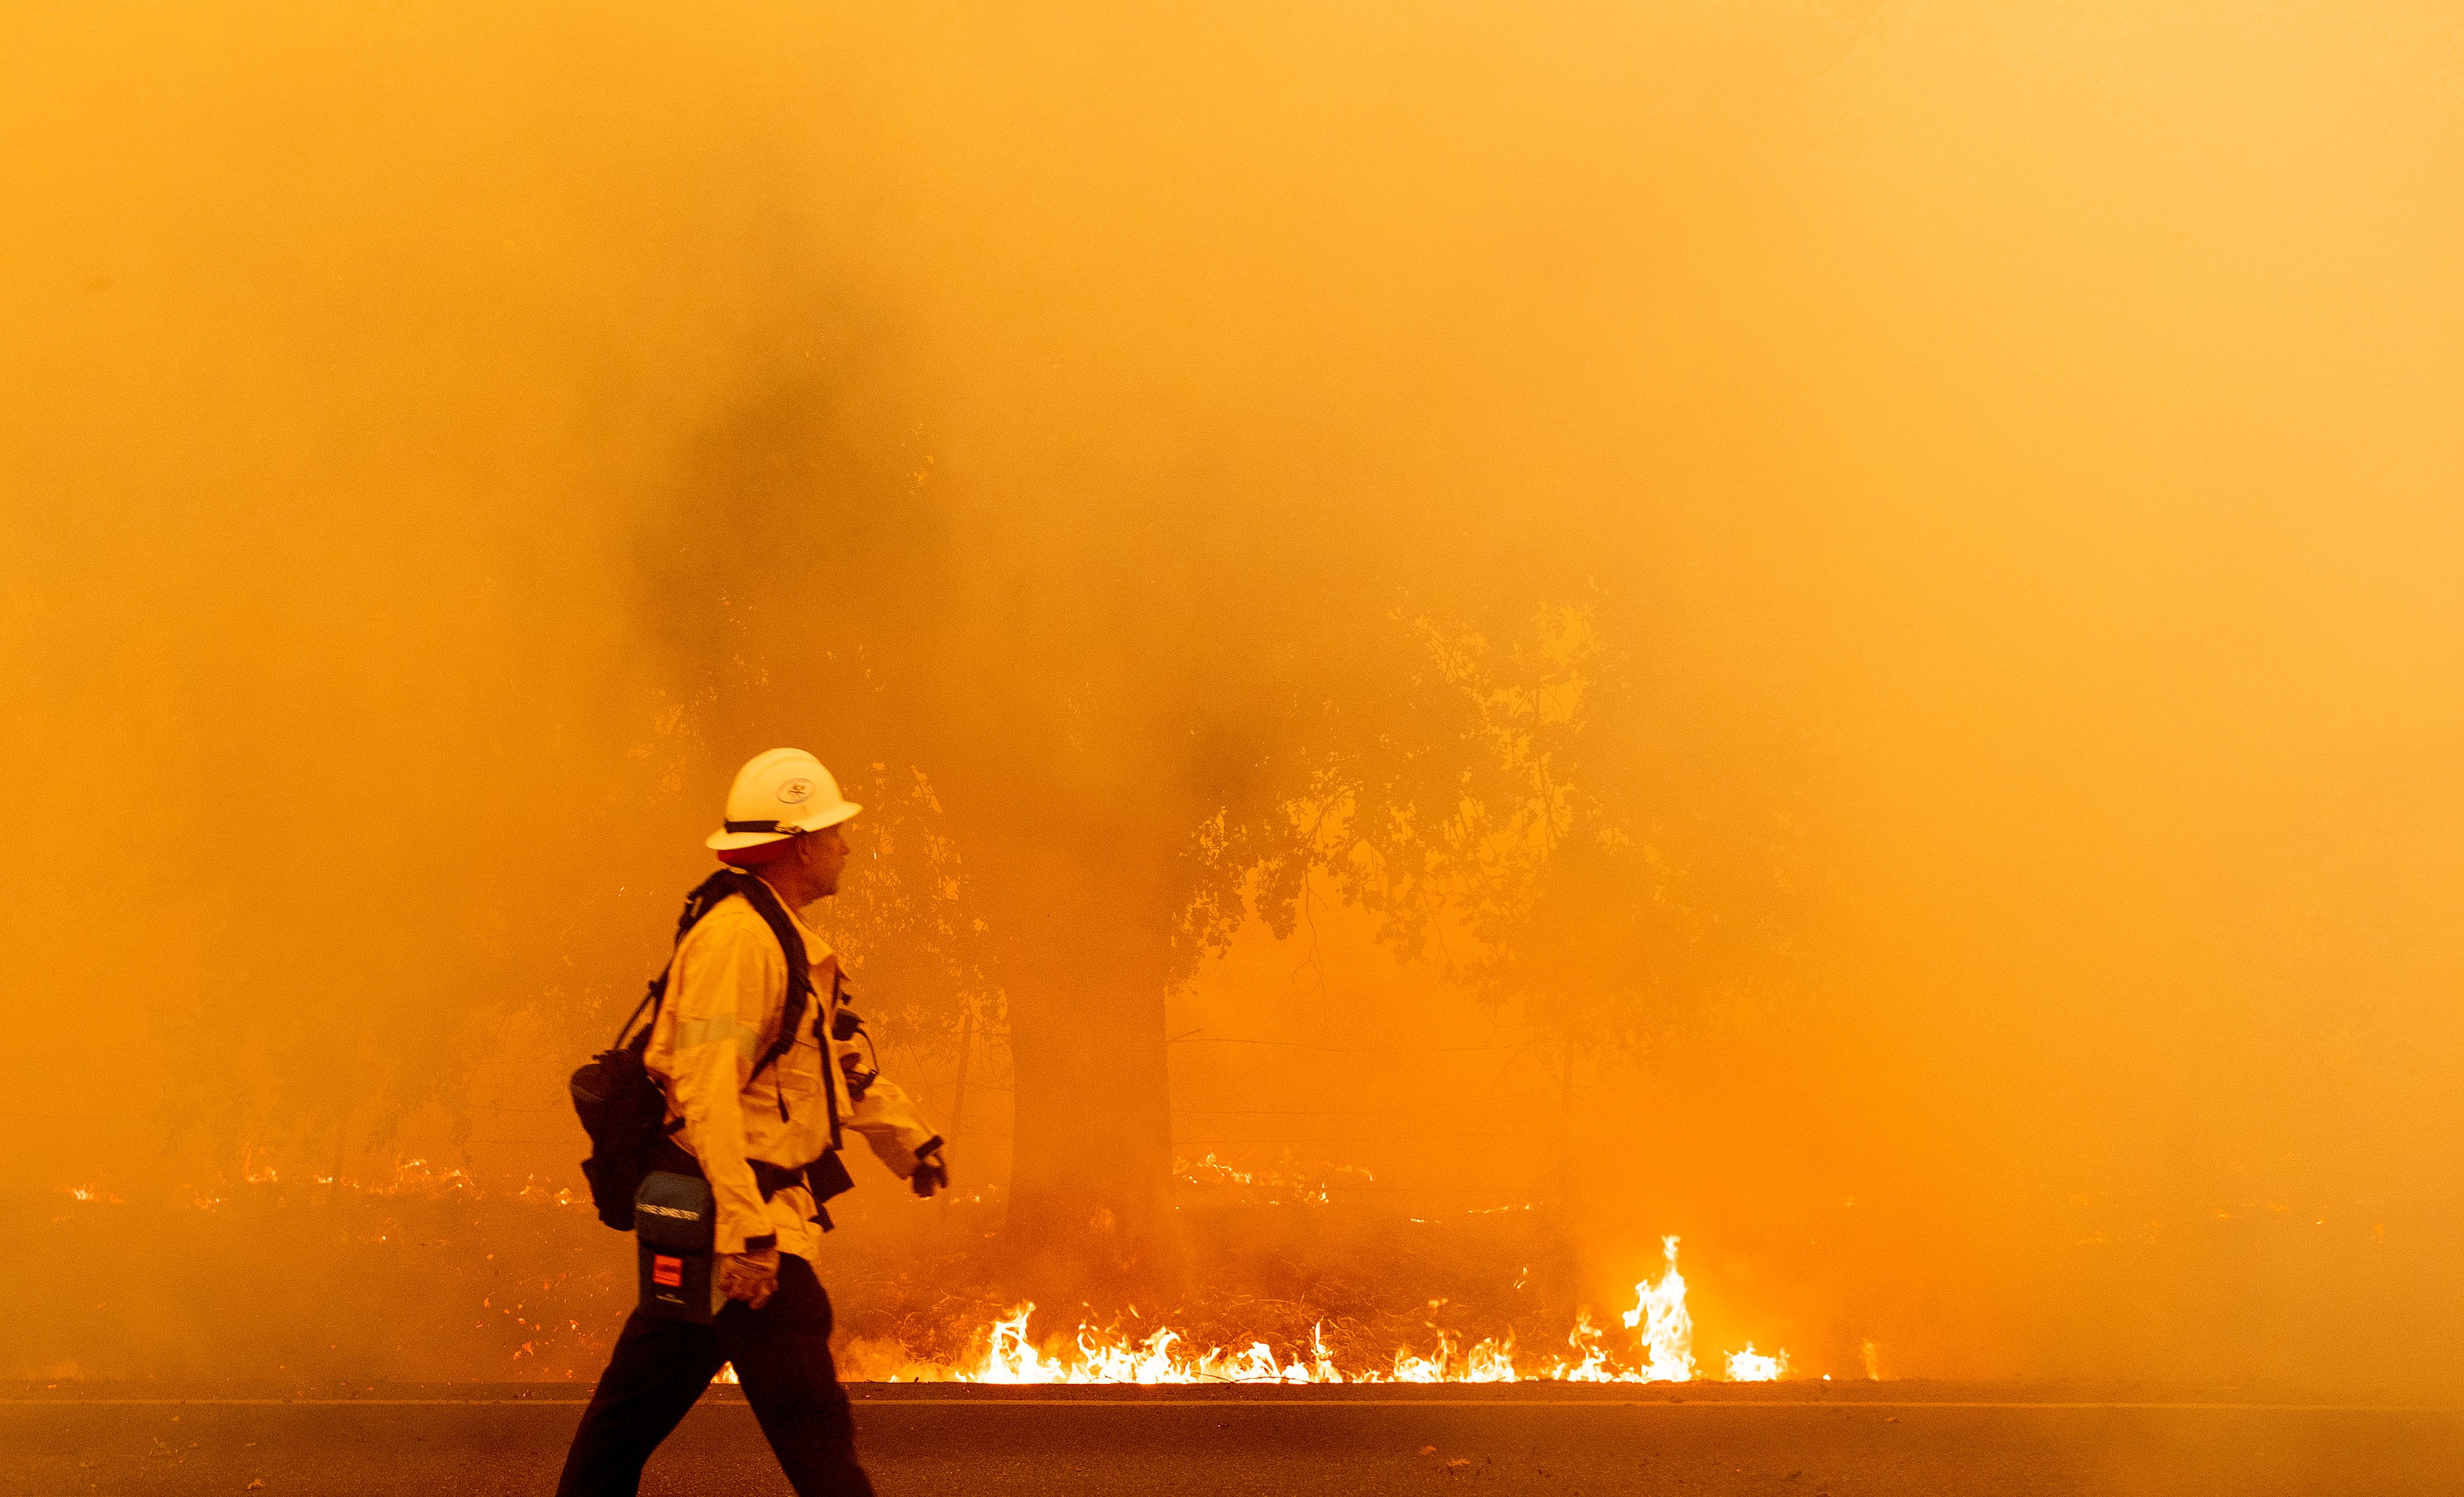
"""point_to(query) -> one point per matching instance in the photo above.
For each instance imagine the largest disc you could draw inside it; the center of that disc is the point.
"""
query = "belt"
(824, 1176)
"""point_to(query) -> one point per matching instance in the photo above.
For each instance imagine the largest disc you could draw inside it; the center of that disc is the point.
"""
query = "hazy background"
(2012, 458)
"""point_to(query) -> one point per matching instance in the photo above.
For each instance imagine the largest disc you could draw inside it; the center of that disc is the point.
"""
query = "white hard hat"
(777, 795)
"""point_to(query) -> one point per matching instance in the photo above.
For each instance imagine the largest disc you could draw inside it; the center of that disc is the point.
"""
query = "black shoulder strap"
(799, 974)
(706, 897)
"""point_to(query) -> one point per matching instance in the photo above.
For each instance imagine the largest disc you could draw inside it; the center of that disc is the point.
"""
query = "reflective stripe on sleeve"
(713, 1029)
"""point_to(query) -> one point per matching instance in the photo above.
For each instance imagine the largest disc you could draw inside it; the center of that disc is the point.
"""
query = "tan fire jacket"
(726, 992)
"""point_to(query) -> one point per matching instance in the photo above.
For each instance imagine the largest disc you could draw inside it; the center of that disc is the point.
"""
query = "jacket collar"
(816, 950)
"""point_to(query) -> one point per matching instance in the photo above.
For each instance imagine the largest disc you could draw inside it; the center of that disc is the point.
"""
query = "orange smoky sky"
(2010, 458)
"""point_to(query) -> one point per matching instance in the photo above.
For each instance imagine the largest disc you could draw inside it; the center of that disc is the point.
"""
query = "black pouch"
(675, 1225)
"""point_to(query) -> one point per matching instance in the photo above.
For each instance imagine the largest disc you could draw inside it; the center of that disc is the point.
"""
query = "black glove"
(931, 1174)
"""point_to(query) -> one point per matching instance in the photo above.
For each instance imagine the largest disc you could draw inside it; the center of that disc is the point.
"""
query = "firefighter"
(766, 1137)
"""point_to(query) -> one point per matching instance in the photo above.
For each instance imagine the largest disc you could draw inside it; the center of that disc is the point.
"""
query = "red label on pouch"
(667, 1273)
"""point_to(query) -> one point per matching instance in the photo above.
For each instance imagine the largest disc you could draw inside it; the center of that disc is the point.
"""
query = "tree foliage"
(1481, 817)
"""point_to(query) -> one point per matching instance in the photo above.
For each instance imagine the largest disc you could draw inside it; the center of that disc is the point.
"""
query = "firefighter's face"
(825, 853)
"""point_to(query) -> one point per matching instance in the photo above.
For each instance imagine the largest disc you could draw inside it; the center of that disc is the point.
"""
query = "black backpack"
(621, 1109)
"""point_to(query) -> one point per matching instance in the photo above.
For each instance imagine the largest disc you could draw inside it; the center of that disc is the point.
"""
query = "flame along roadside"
(1004, 1352)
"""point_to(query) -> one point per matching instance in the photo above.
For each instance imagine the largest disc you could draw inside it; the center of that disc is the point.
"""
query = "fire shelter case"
(675, 1225)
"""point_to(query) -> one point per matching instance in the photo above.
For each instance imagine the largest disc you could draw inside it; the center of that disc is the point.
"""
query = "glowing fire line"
(1004, 1352)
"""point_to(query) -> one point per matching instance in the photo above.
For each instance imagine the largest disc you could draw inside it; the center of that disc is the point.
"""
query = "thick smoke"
(2008, 464)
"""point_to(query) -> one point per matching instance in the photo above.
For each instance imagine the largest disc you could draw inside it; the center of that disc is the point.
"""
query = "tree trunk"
(1092, 1142)
(966, 1060)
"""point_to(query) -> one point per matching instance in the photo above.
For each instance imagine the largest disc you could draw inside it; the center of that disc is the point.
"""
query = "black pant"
(660, 1366)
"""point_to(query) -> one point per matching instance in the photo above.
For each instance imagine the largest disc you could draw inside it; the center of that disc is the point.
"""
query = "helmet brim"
(725, 841)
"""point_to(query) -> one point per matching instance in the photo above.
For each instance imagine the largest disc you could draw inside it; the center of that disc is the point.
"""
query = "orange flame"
(1003, 1351)
(1667, 1329)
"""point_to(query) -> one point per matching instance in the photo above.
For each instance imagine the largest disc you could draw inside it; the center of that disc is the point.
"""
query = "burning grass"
(428, 1276)
(1137, 1349)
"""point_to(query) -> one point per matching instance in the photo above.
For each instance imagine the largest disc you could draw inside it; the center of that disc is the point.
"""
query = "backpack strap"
(706, 897)
(800, 975)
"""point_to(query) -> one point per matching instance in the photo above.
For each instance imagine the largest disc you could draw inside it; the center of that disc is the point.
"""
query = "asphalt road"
(1784, 1440)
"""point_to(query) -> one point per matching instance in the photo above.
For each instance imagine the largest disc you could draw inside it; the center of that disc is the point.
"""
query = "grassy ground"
(436, 1281)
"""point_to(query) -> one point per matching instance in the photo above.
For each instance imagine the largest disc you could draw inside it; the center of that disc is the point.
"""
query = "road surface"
(1776, 1441)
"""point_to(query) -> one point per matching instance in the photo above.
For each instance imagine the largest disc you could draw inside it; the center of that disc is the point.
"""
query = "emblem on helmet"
(795, 792)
